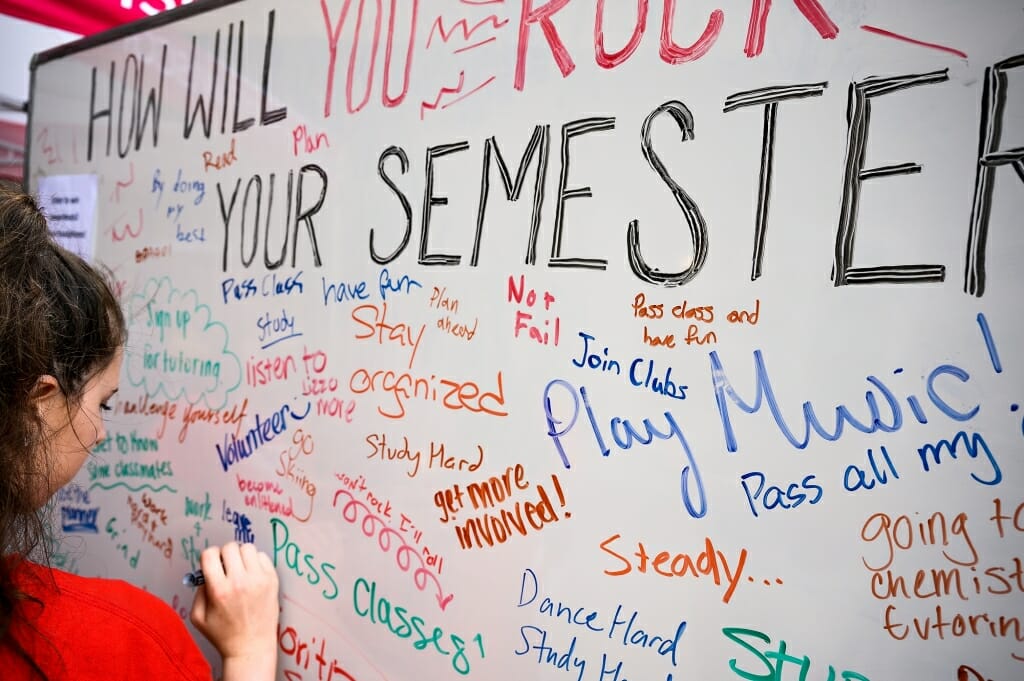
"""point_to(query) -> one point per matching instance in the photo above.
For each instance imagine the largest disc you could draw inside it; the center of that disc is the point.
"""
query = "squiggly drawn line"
(141, 487)
(115, 195)
(368, 526)
(467, 32)
(128, 231)
(479, 87)
(444, 91)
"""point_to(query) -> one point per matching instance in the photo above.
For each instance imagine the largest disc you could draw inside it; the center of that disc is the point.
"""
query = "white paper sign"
(69, 202)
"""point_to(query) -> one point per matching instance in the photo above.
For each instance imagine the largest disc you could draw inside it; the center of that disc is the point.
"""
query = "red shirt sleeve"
(90, 628)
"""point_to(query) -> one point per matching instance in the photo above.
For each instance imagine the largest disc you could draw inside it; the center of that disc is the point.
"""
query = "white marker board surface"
(544, 340)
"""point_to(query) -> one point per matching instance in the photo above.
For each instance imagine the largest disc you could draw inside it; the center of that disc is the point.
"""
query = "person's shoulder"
(108, 614)
(114, 595)
(102, 588)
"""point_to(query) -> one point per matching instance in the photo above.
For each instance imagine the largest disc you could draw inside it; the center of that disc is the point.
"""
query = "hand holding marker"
(236, 608)
(194, 579)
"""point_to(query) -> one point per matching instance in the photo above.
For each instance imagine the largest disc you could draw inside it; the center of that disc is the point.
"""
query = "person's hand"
(237, 609)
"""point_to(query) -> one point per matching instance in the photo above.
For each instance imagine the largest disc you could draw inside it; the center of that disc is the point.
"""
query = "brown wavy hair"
(58, 317)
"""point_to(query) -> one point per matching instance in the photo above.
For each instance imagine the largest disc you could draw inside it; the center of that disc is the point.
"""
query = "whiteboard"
(576, 340)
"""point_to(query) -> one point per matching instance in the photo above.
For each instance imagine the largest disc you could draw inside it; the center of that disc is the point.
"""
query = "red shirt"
(88, 628)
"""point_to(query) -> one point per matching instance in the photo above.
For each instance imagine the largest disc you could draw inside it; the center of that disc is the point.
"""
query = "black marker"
(193, 578)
